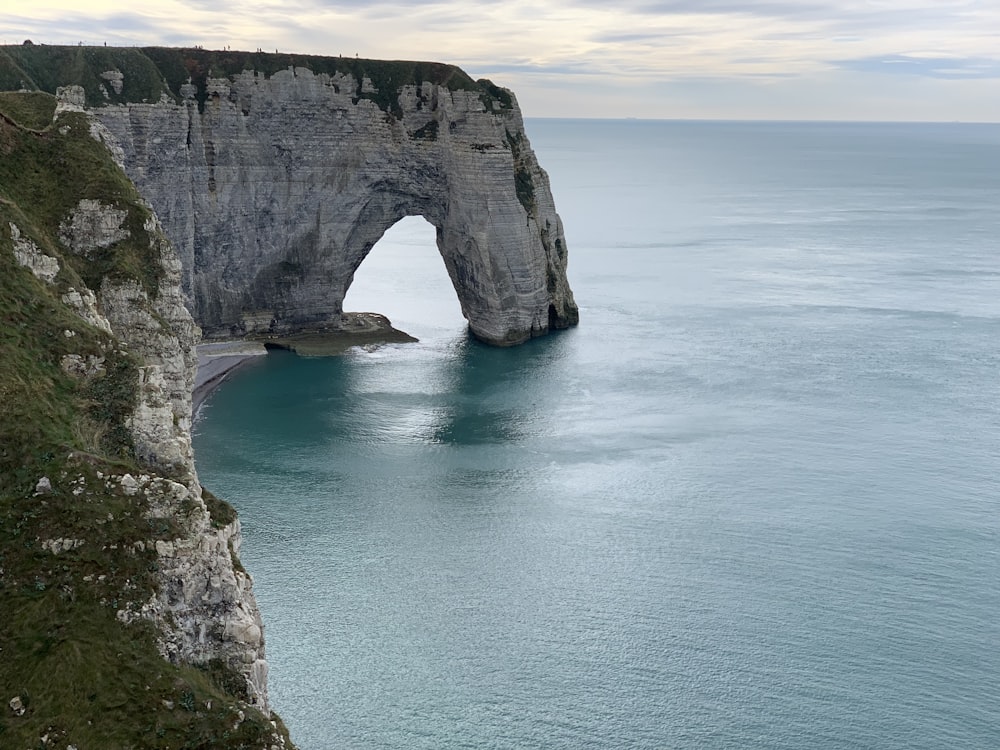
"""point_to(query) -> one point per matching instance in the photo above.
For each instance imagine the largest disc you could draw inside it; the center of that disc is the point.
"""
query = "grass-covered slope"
(46, 67)
(150, 72)
(72, 557)
(45, 174)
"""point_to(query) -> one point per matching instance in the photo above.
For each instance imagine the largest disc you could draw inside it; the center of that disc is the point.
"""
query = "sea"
(752, 501)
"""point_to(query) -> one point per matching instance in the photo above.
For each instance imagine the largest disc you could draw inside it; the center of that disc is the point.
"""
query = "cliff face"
(128, 620)
(118, 573)
(275, 175)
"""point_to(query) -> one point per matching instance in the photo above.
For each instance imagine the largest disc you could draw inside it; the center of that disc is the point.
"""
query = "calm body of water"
(753, 501)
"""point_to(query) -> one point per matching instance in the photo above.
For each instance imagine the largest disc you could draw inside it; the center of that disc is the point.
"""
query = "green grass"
(49, 171)
(93, 682)
(85, 678)
(495, 98)
(387, 76)
(80, 671)
(41, 407)
(221, 512)
(12, 77)
(32, 110)
(153, 71)
(46, 67)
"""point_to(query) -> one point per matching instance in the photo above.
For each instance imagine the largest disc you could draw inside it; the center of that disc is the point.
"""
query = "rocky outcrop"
(28, 254)
(274, 184)
(202, 602)
(204, 606)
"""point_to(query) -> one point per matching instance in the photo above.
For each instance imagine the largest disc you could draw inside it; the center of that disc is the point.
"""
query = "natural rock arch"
(404, 277)
(491, 287)
(273, 188)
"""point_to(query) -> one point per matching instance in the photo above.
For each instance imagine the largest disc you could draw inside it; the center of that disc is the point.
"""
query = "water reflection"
(465, 393)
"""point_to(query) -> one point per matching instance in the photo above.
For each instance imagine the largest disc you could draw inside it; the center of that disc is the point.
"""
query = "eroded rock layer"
(273, 183)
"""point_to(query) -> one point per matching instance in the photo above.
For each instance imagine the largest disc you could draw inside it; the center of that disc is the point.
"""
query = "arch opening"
(405, 278)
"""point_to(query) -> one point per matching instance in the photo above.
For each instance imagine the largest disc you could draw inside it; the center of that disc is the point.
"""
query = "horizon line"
(762, 120)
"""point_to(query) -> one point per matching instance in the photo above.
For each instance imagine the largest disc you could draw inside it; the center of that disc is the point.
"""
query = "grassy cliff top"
(150, 72)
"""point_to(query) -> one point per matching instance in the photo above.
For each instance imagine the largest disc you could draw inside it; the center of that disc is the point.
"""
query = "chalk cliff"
(274, 175)
(128, 620)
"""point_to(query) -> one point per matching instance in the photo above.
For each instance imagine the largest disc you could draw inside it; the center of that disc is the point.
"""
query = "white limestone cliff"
(274, 189)
(204, 607)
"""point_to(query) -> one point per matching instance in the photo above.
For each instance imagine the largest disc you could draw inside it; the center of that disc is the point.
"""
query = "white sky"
(756, 59)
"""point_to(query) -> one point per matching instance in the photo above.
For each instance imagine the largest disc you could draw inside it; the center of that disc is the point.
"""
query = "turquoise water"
(753, 501)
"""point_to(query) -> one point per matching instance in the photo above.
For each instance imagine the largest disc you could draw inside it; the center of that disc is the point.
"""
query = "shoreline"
(218, 359)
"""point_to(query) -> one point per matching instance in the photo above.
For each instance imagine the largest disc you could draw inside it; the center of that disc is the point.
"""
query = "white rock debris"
(93, 226)
(28, 254)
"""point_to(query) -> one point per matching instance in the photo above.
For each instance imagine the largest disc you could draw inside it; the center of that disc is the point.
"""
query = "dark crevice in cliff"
(524, 184)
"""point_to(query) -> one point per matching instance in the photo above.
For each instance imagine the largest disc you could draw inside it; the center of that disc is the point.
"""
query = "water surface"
(751, 502)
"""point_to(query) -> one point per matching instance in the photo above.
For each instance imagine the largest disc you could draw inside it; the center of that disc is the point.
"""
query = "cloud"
(634, 45)
(949, 68)
(627, 38)
(568, 69)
